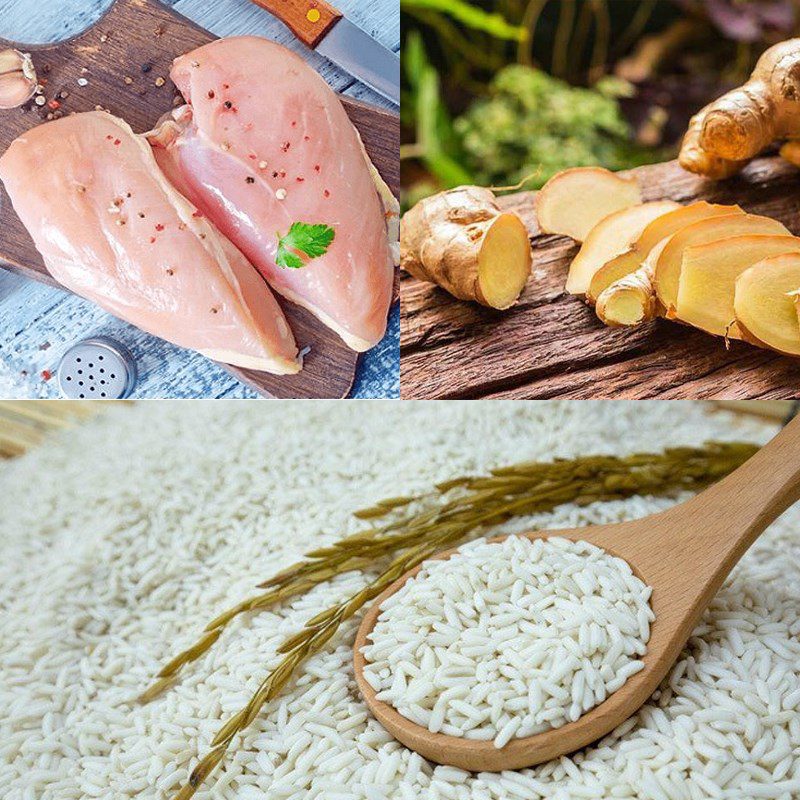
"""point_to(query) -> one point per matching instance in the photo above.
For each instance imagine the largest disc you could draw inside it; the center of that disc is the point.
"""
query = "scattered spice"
(211, 94)
(282, 173)
(170, 271)
(128, 80)
(285, 146)
(44, 346)
(306, 138)
(326, 193)
(120, 222)
(40, 100)
(226, 86)
(316, 167)
(228, 104)
(146, 67)
(63, 94)
(118, 201)
(281, 194)
(54, 104)
(83, 82)
(46, 374)
(141, 215)
(249, 179)
(80, 188)
(299, 179)
(195, 64)
(181, 226)
(117, 142)
(214, 310)
(104, 38)
(160, 81)
(159, 227)
(152, 240)
(197, 213)
(262, 164)
(225, 146)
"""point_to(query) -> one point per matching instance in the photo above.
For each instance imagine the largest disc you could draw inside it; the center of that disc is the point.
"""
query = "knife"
(323, 28)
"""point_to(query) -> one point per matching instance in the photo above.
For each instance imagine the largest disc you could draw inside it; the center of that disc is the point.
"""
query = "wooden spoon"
(684, 553)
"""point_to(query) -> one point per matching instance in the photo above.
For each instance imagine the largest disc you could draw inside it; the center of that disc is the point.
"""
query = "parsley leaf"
(312, 240)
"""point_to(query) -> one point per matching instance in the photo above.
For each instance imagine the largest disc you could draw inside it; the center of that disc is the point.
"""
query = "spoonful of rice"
(512, 651)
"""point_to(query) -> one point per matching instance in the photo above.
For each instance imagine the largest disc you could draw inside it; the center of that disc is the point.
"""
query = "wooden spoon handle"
(309, 20)
(743, 504)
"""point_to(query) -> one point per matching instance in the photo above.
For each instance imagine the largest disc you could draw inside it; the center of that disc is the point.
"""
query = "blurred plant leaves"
(436, 144)
(470, 16)
(534, 123)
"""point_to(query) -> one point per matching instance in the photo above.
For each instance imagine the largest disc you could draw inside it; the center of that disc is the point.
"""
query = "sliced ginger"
(657, 231)
(727, 133)
(573, 201)
(765, 303)
(632, 299)
(462, 241)
(668, 266)
(614, 234)
(708, 278)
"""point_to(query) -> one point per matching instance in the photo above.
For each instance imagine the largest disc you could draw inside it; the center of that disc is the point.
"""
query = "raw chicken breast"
(266, 143)
(111, 228)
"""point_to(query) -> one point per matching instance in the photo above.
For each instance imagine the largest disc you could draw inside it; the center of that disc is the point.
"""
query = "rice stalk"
(482, 502)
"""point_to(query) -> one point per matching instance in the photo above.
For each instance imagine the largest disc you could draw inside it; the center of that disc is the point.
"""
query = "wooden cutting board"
(552, 345)
(122, 58)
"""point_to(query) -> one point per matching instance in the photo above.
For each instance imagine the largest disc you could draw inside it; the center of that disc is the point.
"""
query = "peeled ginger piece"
(668, 268)
(656, 232)
(708, 278)
(573, 201)
(611, 236)
(765, 303)
(632, 300)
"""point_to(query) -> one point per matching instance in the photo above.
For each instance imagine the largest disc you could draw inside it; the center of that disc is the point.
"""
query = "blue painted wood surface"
(38, 323)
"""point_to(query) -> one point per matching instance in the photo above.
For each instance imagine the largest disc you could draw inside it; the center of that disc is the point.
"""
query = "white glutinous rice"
(120, 539)
(508, 639)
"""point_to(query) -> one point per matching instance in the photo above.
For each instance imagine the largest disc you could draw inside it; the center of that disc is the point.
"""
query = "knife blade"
(323, 28)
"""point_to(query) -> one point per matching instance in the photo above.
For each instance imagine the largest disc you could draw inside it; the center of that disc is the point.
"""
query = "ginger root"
(611, 236)
(668, 266)
(765, 300)
(727, 133)
(573, 201)
(657, 231)
(631, 300)
(462, 241)
(708, 278)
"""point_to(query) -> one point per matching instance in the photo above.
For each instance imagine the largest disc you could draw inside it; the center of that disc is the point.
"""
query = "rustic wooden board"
(552, 345)
(137, 40)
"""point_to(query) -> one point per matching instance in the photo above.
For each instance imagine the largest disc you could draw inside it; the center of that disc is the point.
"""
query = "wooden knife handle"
(309, 20)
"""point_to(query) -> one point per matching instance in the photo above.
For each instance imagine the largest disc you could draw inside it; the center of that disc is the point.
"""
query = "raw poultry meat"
(264, 143)
(111, 228)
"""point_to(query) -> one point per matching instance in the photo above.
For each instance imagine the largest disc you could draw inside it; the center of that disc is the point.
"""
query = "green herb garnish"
(304, 237)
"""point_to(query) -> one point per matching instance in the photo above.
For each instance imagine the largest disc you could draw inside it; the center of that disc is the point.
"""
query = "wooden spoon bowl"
(685, 553)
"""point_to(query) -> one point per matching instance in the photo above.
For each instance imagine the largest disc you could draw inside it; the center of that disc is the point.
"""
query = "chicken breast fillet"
(111, 228)
(265, 143)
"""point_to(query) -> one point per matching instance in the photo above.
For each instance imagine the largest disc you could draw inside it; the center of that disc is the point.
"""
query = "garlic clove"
(17, 78)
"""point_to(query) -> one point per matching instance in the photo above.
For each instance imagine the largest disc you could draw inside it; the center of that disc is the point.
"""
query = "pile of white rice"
(507, 639)
(118, 542)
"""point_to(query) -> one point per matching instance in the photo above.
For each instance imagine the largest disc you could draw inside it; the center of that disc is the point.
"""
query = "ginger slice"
(765, 303)
(708, 278)
(668, 267)
(573, 201)
(632, 299)
(614, 234)
(659, 229)
(462, 241)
